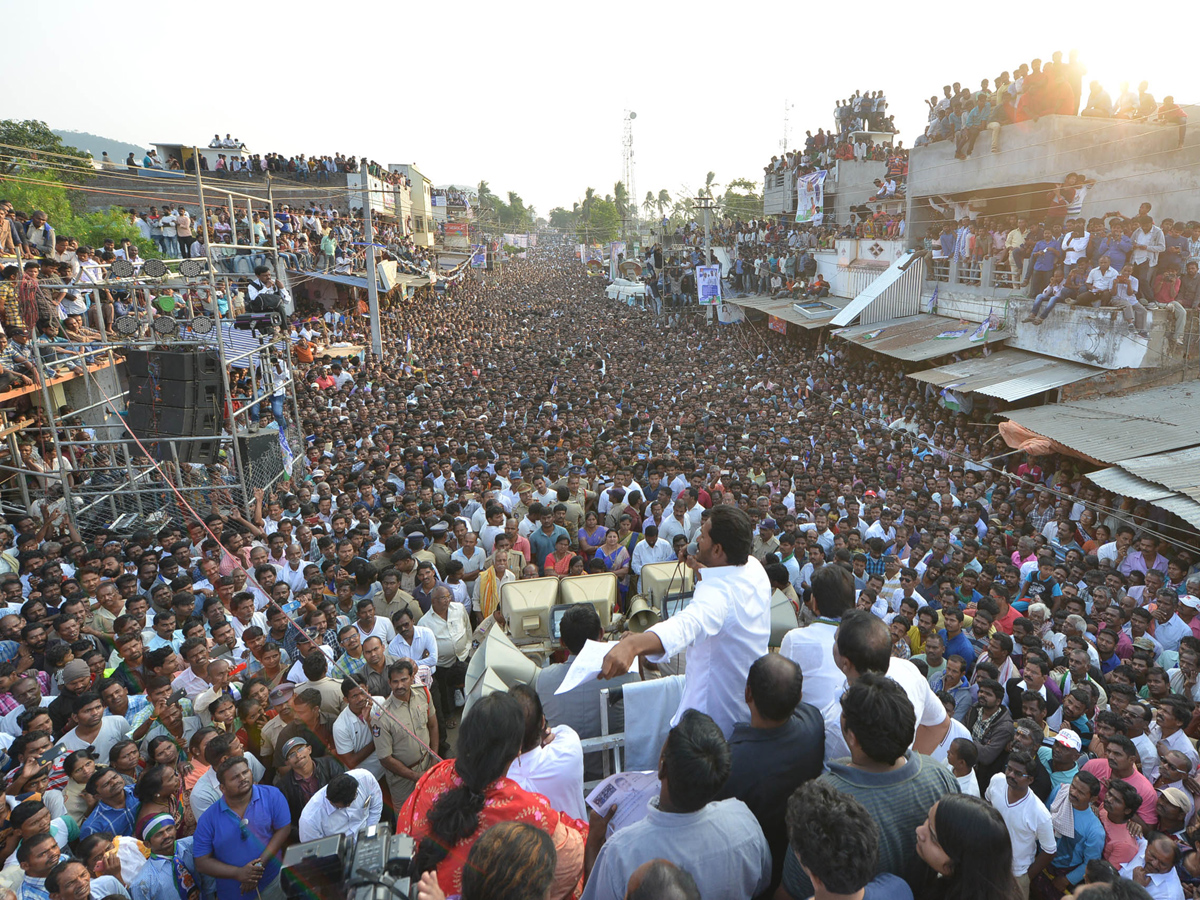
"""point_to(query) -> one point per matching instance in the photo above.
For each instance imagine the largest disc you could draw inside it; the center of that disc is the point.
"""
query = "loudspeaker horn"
(501, 656)
(641, 614)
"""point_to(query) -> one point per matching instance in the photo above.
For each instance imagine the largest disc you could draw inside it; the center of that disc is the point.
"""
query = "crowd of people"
(47, 275)
(256, 165)
(1034, 90)
(863, 112)
(1116, 260)
(989, 690)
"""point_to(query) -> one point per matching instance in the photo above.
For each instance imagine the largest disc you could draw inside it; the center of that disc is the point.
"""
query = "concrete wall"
(849, 184)
(1131, 162)
(1092, 336)
(779, 194)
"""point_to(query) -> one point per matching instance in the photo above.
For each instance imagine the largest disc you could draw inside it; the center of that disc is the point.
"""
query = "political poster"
(457, 229)
(708, 284)
(728, 314)
(777, 324)
(810, 198)
(479, 259)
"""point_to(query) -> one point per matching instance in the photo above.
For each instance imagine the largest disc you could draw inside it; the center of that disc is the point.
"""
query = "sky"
(532, 97)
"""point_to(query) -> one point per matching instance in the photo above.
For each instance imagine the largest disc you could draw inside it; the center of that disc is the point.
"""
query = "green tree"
(742, 199)
(603, 221)
(40, 149)
(648, 203)
(663, 202)
(562, 218)
(40, 190)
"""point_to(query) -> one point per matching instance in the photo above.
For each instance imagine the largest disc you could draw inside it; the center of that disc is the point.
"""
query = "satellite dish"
(633, 115)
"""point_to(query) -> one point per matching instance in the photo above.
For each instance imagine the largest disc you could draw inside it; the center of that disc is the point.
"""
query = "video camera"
(376, 866)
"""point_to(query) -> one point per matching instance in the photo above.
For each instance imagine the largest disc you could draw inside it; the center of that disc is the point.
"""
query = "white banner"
(728, 314)
(708, 284)
(810, 198)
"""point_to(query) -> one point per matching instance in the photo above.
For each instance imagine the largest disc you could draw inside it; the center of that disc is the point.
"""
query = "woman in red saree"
(457, 800)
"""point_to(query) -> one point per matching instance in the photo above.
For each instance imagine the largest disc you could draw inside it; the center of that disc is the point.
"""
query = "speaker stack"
(176, 395)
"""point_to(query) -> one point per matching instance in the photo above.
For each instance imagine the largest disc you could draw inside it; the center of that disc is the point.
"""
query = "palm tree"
(709, 184)
(589, 197)
(648, 203)
(621, 199)
(663, 202)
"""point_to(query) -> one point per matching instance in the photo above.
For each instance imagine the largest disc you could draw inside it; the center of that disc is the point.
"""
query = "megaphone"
(501, 657)
(641, 614)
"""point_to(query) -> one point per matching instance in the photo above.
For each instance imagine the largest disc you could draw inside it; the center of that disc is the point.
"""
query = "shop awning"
(805, 313)
(1119, 429)
(917, 338)
(1007, 374)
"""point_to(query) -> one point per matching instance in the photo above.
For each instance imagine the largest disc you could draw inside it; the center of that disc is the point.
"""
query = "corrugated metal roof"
(1007, 374)
(1112, 429)
(917, 338)
(782, 307)
(885, 279)
(1117, 480)
(1178, 471)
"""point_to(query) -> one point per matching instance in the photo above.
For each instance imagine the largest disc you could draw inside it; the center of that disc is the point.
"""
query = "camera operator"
(263, 294)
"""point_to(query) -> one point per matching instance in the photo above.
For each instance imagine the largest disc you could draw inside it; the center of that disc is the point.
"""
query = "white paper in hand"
(588, 664)
(630, 792)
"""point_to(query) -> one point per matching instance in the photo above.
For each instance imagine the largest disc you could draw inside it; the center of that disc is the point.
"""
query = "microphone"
(693, 548)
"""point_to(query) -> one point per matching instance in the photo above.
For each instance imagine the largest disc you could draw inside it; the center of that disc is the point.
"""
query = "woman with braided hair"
(459, 799)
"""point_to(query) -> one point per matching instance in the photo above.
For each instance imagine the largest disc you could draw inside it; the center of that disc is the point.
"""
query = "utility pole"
(706, 205)
(372, 284)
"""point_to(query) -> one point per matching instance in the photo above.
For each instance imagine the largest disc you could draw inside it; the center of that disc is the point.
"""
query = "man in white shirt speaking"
(725, 628)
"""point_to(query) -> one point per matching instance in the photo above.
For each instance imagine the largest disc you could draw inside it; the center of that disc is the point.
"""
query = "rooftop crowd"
(1010, 707)
(254, 165)
(1034, 90)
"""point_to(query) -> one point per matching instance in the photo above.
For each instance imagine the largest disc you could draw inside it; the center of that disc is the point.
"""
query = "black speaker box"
(172, 365)
(262, 457)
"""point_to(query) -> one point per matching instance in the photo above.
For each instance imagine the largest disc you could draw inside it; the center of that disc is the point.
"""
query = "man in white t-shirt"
(552, 764)
(1025, 816)
(864, 645)
(93, 728)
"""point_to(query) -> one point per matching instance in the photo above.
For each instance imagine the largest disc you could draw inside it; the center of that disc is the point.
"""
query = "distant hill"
(94, 144)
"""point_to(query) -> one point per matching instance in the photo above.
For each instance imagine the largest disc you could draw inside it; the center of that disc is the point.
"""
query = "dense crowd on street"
(989, 687)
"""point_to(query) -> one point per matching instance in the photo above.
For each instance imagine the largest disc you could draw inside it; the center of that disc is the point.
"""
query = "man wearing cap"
(305, 774)
(765, 541)
(76, 678)
(1187, 609)
(350, 802)
(170, 871)
(406, 729)
(1061, 760)
(441, 552)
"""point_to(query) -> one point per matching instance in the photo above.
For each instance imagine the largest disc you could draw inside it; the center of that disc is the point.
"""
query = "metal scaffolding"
(85, 454)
